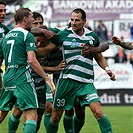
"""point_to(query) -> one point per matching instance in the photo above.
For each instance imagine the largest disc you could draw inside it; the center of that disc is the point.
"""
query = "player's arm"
(127, 45)
(91, 50)
(41, 51)
(38, 69)
(103, 64)
(47, 33)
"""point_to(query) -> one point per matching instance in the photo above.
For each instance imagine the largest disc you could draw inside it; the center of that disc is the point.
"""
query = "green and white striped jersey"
(3, 30)
(14, 47)
(78, 67)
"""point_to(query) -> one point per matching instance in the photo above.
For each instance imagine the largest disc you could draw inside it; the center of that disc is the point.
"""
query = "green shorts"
(41, 97)
(68, 90)
(49, 97)
(24, 95)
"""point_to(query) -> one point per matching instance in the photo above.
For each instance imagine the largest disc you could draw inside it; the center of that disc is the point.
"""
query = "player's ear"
(25, 19)
(84, 21)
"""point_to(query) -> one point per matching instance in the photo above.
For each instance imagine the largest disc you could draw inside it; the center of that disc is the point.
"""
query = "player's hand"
(89, 50)
(111, 74)
(116, 40)
(49, 34)
(61, 66)
(49, 82)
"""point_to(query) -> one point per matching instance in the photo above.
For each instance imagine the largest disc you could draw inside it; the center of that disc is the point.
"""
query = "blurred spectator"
(101, 31)
(9, 23)
(87, 25)
(129, 53)
(131, 31)
(121, 56)
(58, 25)
(122, 38)
(130, 56)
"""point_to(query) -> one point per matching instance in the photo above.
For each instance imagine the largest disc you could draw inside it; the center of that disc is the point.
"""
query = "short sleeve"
(30, 43)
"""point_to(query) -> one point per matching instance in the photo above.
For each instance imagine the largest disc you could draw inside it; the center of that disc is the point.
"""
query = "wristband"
(106, 68)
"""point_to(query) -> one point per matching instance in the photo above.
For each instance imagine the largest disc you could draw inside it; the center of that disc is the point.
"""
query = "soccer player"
(43, 91)
(40, 85)
(38, 20)
(18, 50)
(117, 40)
(76, 79)
(3, 30)
(80, 113)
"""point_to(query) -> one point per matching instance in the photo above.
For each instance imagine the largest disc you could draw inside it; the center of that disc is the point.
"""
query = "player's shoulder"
(21, 33)
(4, 26)
(56, 30)
(65, 31)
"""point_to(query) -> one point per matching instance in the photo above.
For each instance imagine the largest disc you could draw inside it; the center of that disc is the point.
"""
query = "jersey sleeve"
(30, 43)
(96, 41)
(58, 41)
(56, 30)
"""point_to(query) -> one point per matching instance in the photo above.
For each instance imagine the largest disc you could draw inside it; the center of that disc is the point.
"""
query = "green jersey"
(3, 30)
(78, 67)
(14, 47)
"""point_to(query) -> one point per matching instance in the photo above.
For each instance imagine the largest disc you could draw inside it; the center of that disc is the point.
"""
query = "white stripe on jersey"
(80, 58)
(80, 69)
(77, 78)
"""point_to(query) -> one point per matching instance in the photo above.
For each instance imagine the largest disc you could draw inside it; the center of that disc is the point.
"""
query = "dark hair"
(3, 3)
(79, 10)
(20, 14)
(37, 15)
(100, 21)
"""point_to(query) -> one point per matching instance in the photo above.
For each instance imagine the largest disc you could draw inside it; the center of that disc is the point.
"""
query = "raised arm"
(41, 51)
(127, 45)
(47, 33)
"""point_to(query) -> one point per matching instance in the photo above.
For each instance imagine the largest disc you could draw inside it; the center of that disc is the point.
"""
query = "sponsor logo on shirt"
(76, 44)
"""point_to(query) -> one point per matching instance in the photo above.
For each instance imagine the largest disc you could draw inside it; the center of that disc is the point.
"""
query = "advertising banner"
(123, 73)
(116, 96)
(95, 9)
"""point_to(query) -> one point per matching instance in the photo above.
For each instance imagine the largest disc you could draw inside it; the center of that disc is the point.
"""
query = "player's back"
(17, 68)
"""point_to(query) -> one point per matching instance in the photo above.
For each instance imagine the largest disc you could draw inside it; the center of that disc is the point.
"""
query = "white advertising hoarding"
(123, 73)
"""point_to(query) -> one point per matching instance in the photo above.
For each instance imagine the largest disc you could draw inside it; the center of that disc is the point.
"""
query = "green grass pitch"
(121, 118)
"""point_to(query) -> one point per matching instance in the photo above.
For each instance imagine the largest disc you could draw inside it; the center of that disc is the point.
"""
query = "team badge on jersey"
(32, 44)
(91, 42)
